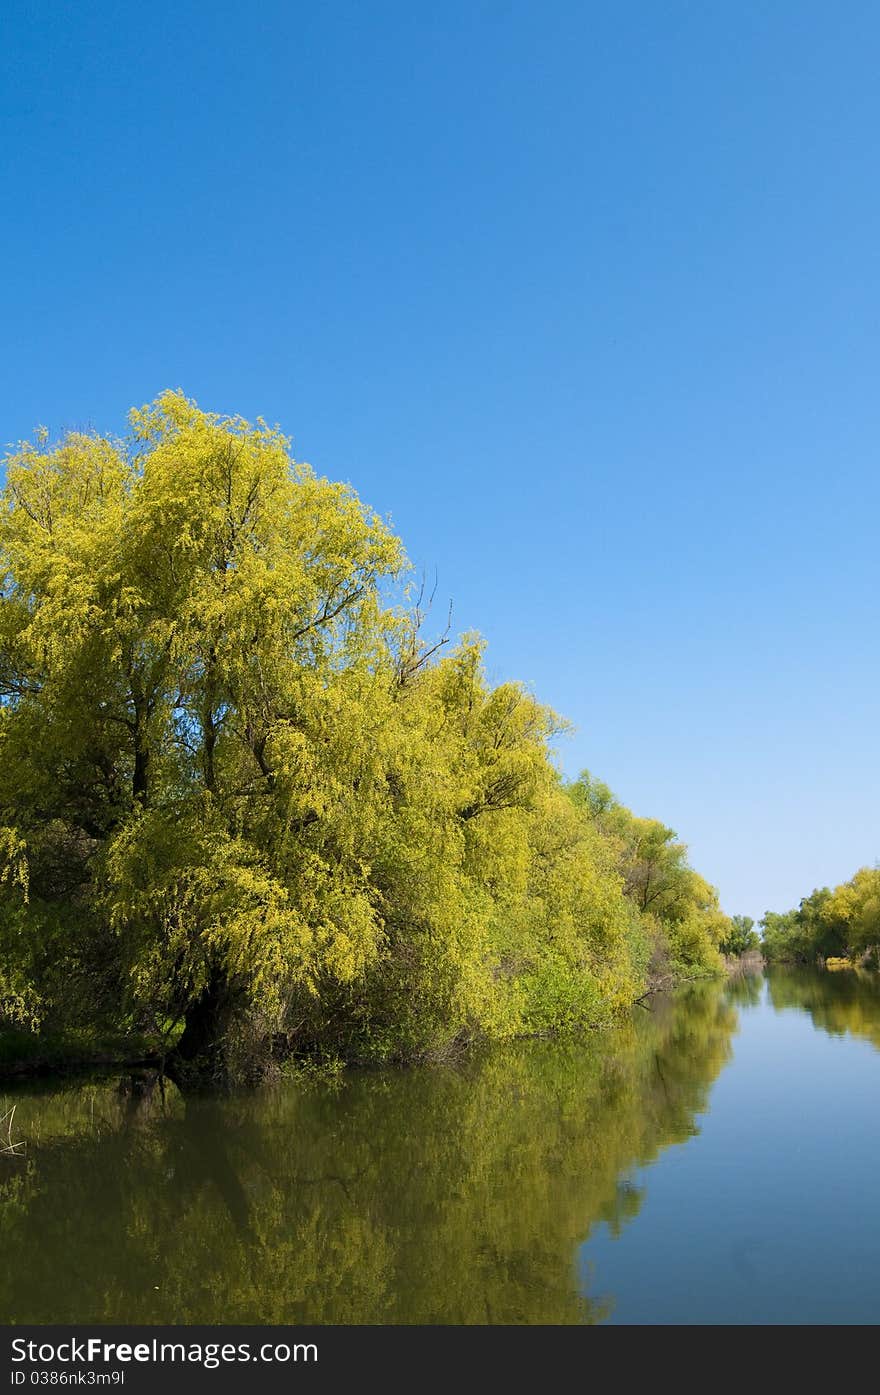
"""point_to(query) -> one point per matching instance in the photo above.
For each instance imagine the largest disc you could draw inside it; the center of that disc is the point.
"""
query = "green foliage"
(248, 810)
(677, 909)
(843, 923)
(742, 936)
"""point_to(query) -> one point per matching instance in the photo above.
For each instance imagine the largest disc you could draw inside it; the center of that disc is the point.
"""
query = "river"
(711, 1160)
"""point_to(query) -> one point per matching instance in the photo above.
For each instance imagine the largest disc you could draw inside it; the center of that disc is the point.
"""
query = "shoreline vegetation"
(835, 928)
(254, 812)
(27, 1055)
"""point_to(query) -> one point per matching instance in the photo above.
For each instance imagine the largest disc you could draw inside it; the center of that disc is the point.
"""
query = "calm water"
(713, 1161)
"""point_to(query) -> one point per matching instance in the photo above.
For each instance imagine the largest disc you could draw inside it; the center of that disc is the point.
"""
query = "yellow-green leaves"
(255, 800)
(678, 910)
(843, 923)
(13, 860)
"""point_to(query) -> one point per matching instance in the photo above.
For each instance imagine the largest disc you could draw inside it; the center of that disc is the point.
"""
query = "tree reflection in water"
(444, 1194)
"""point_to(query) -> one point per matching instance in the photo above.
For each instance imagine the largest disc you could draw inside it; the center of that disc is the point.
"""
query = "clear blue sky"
(586, 296)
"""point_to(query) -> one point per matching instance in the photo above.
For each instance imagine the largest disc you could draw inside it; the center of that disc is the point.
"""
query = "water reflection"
(438, 1195)
(842, 1003)
(745, 989)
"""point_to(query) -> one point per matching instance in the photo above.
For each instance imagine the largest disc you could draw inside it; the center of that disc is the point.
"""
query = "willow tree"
(246, 809)
(193, 647)
(678, 907)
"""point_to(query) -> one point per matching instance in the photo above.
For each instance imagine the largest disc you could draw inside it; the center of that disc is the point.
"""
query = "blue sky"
(586, 296)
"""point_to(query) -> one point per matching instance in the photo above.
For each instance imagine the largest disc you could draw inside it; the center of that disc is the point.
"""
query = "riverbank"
(752, 962)
(25, 1054)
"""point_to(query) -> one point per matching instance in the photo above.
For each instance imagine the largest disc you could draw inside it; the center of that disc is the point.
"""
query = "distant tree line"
(843, 923)
(249, 811)
(741, 938)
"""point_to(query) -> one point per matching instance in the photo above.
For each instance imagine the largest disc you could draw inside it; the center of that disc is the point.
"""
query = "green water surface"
(713, 1160)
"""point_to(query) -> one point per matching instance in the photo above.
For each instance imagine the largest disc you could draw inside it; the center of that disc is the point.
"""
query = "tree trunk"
(140, 780)
(200, 1055)
(209, 743)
